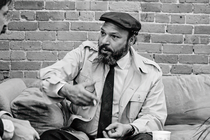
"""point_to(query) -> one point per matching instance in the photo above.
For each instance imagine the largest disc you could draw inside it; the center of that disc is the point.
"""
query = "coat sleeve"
(54, 77)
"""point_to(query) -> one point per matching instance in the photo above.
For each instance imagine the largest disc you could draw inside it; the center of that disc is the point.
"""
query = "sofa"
(187, 98)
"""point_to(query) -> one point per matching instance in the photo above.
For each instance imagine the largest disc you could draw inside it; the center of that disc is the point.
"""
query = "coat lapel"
(132, 82)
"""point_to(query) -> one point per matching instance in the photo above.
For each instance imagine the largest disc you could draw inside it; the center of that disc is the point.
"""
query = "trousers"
(58, 134)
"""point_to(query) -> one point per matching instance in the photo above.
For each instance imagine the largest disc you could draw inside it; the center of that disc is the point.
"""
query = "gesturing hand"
(79, 94)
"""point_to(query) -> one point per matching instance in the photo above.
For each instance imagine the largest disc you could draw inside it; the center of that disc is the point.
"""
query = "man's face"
(3, 19)
(113, 43)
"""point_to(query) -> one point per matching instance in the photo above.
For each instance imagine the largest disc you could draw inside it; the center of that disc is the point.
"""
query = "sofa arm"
(10, 89)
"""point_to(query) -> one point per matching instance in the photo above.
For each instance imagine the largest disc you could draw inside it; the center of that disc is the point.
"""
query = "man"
(9, 126)
(138, 102)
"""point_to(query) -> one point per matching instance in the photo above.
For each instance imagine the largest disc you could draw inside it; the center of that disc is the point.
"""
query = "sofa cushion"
(39, 109)
(188, 132)
(187, 98)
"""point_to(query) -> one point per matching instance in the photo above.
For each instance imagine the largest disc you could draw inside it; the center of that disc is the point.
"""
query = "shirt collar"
(124, 61)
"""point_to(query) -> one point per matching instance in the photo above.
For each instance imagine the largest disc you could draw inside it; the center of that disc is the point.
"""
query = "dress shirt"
(121, 71)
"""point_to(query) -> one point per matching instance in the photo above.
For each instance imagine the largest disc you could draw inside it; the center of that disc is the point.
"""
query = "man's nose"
(105, 40)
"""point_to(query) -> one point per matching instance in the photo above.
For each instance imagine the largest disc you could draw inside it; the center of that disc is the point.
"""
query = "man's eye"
(114, 36)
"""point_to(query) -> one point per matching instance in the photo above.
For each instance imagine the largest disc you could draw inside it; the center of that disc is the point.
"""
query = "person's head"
(118, 33)
(4, 15)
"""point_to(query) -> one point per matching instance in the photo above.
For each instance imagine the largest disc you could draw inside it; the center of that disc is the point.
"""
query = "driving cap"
(123, 20)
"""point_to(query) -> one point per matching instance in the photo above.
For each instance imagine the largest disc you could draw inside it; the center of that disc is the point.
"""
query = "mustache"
(105, 48)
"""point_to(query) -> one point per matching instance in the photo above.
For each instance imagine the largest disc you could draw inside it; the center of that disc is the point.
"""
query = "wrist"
(130, 131)
(63, 90)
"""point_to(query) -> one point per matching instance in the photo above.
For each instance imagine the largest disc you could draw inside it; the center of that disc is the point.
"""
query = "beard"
(108, 56)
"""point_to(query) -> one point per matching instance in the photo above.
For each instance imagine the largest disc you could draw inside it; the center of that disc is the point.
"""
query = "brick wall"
(175, 33)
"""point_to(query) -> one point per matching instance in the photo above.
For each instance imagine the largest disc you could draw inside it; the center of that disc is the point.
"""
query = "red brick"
(202, 8)
(28, 15)
(93, 36)
(147, 17)
(194, 1)
(25, 65)
(153, 28)
(151, 7)
(201, 69)
(29, 5)
(168, 1)
(42, 56)
(31, 74)
(13, 36)
(155, 38)
(61, 55)
(54, 26)
(193, 59)
(85, 26)
(46, 16)
(177, 8)
(181, 69)
(59, 46)
(99, 6)
(124, 6)
(98, 15)
(72, 15)
(177, 49)
(171, 59)
(60, 5)
(15, 15)
(179, 29)
(148, 47)
(165, 68)
(83, 5)
(191, 39)
(197, 19)
(16, 74)
(143, 37)
(29, 45)
(178, 19)
(23, 26)
(45, 64)
(72, 36)
(4, 45)
(145, 0)
(202, 29)
(162, 18)
(201, 49)
(18, 55)
(44, 35)
(4, 55)
(146, 55)
(4, 65)
(86, 16)
(204, 39)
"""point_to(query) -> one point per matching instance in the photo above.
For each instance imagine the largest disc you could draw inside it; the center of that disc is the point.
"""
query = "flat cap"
(123, 20)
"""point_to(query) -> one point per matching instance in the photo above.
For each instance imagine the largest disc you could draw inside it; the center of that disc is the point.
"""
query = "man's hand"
(80, 94)
(116, 130)
(23, 129)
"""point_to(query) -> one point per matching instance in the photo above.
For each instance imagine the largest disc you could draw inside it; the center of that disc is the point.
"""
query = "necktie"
(106, 103)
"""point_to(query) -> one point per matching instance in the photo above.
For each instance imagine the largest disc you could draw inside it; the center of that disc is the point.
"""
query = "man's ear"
(131, 40)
